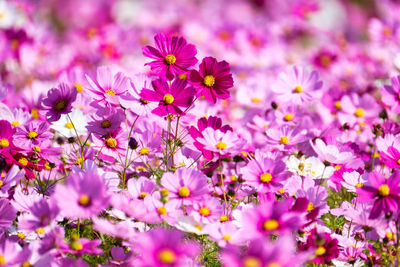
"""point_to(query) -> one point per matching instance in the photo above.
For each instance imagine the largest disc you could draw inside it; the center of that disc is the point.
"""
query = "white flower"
(190, 225)
(66, 128)
(311, 167)
(9, 15)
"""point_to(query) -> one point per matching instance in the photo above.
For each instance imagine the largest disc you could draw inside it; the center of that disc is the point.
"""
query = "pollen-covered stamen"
(359, 185)
(105, 124)
(111, 142)
(265, 177)
(21, 235)
(288, 117)
(204, 211)
(78, 87)
(170, 59)
(320, 251)
(209, 81)
(221, 145)
(338, 105)
(298, 89)
(23, 161)
(271, 225)
(32, 135)
(359, 113)
(251, 261)
(227, 237)
(284, 140)
(167, 256)
(310, 207)
(1, 183)
(255, 100)
(76, 245)
(384, 190)
(60, 105)
(2, 260)
(110, 92)
(162, 210)
(142, 195)
(37, 149)
(224, 218)
(69, 125)
(184, 192)
(4, 143)
(84, 200)
(15, 123)
(144, 151)
(168, 99)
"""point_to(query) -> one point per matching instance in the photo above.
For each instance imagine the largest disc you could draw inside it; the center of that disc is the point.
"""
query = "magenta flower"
(384, 193)
(212, 80)
(296, 86)
(207, 210)
(59, 101)
(107, 88)
(170, 97)
(165, 248)
(32, 135)
(185, 185)
(265, 174)
(84, 195)
(105, 120)
(173, 56)
(6, 136)
(391, 94)
(391, 157)
(325, 247)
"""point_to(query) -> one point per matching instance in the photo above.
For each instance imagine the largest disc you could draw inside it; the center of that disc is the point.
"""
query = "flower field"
(241, 133)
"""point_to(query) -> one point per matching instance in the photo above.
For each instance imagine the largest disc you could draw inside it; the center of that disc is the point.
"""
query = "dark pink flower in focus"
(170, 97)
(59, 101)
(173, 56)
(384, 193)
(212, 80)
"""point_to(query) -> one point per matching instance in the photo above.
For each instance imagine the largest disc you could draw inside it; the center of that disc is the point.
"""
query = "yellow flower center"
(281, 191)
(298, 89)
(270, 225)
(384, 190)
(23, 161)
(37, 149)
(21, 235)
(390, 235)
(338, 105)
(224, 218)
(47, 166)
(84, 200)
(170, 59)
(398, 96)
(209, 81)
(167, 256)
(79, 88)
(110, 92)
(398, 161)
(255, 100)
(320, 251)
(32, 135)
(143, 195)
(111, 142)
(284, 140)
(105, 124)
(168, 99)
(4, 143)
(251, 262)
(60, 105)
(144, 101)
(310, 206)
(35, 113)
(27, 264)
(221, 145)
(164, 192)
(182, 76)
(76, 245)
(162, 210)
(1, 183)
(69, 125)
(15, 123)
(227, 237)
(265, 177)
(359, 113)
(183, 192)
(273, 264)
(144, 151)
(40, 230)
(2, 260)
(359, 185)
(204, 211)
(288, 117)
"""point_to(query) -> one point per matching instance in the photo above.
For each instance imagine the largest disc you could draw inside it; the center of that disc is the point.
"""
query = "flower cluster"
(240, 133)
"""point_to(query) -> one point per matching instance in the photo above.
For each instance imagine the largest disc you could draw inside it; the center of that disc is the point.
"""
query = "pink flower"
(212, 80)
(355, 109)
(207, 210)
(285, 137)
(185, 185)
(59, 101)
(391, 94)
(169, 97)
(384, 193)
(173, 56)
(107, 88)
(32, 135)
(7, 214)
(106, 120)
(331, 153)
(296, 86)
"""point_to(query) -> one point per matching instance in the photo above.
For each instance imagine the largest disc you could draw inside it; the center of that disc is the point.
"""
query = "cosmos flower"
(391, 94)
(173, 56)
(296, 86)
(32, 135)
(185, 185)
(6, 135)
(384, 193)
(83, 195)
(59, 101)
(10, 179)
(7, 212)
(66, 128)
(169, 97)
(212, 80)
(105, 120)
